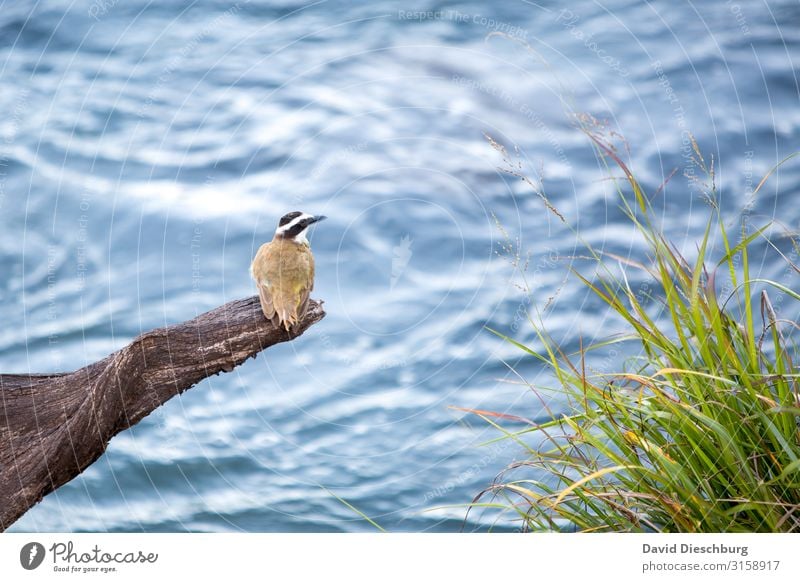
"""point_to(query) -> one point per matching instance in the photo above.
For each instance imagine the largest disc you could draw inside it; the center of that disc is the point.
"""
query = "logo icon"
(401, 255)
(31, 555)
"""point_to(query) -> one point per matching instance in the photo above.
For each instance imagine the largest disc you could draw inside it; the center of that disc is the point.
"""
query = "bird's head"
(293, 226)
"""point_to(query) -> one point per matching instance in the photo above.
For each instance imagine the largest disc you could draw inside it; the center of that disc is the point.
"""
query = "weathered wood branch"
(54, 426)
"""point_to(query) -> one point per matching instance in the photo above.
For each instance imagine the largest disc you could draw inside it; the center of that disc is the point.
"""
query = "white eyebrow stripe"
(285, 227)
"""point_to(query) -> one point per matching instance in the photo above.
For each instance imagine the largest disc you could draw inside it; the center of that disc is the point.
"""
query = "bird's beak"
(318, 218)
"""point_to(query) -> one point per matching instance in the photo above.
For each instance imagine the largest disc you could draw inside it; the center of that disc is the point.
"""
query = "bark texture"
(53, 426)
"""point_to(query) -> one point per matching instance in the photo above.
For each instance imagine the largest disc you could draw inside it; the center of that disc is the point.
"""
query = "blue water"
(148, 148)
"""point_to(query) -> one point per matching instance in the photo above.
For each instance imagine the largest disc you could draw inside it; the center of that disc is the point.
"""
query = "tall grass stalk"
(702, 432)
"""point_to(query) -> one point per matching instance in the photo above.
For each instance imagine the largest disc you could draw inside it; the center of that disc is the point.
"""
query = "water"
(149, 148)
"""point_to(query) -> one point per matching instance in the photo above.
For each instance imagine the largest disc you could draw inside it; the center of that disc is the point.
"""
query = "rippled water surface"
(148, 148)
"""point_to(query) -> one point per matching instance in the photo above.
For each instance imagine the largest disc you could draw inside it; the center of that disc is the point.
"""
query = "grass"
(699, 432)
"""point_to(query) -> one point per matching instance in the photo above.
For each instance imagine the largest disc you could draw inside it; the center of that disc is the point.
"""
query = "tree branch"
(54, 426)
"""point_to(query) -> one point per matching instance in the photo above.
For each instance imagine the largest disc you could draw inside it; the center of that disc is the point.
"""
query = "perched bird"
(284, 271)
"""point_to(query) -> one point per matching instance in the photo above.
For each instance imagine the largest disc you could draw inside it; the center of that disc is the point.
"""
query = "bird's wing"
(259, 271)
(302, 308)
(306, 292)
(266, 300)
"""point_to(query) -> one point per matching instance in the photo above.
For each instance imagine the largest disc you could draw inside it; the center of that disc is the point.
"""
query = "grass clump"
(701, 431)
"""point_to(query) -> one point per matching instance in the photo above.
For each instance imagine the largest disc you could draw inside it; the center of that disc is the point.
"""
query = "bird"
(283, 270)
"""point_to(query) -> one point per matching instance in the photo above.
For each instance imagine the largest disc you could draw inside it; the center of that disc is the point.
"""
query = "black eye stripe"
(287, 218)
(298, 228)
